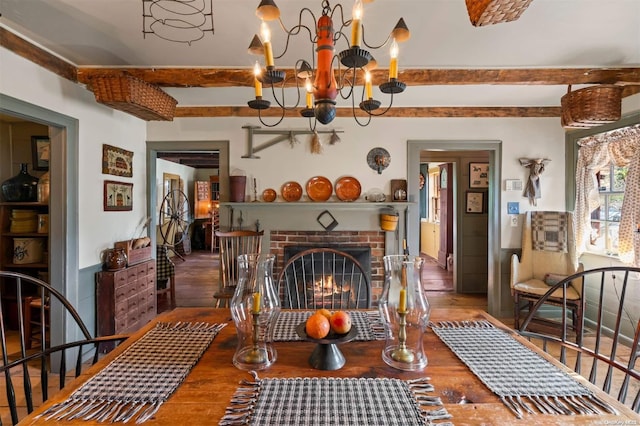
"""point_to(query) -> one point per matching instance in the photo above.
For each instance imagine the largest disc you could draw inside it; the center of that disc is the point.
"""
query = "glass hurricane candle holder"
(405, 312)
(255, 307)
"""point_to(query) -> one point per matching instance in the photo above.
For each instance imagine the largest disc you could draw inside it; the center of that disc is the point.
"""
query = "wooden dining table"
(205, 393)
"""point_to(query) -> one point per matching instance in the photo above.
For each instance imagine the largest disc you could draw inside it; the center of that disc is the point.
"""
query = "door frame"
(63, 205)
(494, 149)
(153, 147)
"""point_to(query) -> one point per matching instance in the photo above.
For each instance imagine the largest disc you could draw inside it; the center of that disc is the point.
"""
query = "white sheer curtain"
(622, 147)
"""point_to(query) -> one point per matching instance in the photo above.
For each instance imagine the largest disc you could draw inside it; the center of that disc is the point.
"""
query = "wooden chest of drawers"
(125, 299)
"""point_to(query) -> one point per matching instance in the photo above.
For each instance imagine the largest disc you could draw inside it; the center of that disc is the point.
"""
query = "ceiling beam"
(395, 112)
(239, 77)
(216, 77)
(38, 56)
(243, 77)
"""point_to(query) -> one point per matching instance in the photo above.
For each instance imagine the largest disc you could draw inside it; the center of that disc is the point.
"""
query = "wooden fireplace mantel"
(356, 205)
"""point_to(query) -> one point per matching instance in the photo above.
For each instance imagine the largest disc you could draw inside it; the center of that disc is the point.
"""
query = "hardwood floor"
(196, 280)
(435, 278)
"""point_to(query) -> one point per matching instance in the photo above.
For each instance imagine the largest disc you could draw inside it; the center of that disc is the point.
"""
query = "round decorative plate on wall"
(348, 188)
(269, 195)
(291, 191)
(319, 188)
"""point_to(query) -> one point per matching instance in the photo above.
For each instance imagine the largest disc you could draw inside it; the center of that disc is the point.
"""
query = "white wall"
(521, 137)
(98, 125)
(186, 173)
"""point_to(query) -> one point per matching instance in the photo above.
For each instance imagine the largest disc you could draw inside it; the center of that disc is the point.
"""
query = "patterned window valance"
(630, 132)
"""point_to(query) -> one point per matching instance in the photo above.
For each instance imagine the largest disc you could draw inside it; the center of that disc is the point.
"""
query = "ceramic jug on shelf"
(115, 259)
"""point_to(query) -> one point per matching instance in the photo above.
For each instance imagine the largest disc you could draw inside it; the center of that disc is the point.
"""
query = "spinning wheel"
(174, 218)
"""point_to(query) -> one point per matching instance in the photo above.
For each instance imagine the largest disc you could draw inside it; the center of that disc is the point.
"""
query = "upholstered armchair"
(548, 256)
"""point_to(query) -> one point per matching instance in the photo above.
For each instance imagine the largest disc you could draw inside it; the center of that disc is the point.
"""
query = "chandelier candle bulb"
(356, 25)
(266, 41)
(367, 85)
(393, 64)
(309, 89)
(256, 83)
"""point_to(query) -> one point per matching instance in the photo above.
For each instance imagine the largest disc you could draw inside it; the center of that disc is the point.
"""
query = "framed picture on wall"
(474, 202)
(118, 196)
(478, 175)
(40, 146)
(117, 161)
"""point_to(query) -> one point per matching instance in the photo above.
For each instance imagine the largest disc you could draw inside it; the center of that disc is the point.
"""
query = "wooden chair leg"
(516, 311)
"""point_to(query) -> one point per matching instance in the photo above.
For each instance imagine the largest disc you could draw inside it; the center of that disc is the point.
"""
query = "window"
(592, 156)
(605, 220)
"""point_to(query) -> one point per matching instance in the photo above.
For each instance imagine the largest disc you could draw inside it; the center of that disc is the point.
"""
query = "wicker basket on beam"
(591, 106)
(134, 96)
(488, 12)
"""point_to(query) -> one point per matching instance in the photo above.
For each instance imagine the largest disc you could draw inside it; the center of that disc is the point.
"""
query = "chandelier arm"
(346, 82)
(374, 47)
(379, 114)
(339, 34)
(353, 109)
(355, 117)
(282, 104)
(295, 30)
(344, 23)
(271, 125)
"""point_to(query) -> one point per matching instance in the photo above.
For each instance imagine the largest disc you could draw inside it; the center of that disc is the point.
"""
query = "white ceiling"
(549, 34)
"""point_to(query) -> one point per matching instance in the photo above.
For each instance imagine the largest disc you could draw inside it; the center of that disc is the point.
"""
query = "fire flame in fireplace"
(328, 286)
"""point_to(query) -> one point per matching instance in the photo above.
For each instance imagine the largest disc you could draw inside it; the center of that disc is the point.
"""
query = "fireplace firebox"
(326, 277)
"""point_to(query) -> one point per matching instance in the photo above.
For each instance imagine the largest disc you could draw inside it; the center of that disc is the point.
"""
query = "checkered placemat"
(137, 382)
(321, 401)
(368, 324)
(521, 377)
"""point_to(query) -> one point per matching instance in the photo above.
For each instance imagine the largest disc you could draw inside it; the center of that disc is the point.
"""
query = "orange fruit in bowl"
(340, 322)
(317, 326)
(325, 312)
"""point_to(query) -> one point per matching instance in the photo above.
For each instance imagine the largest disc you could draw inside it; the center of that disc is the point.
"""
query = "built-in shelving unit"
(7, 240)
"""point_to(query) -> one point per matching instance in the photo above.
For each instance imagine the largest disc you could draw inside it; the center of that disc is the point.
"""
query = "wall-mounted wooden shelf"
(324, 205)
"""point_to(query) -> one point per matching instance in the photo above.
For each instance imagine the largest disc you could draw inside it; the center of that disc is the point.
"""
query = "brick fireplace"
(375, 240)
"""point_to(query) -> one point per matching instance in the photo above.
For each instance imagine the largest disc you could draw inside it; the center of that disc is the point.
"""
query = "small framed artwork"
(40, 146)
(118, 196)
(443, 179)
(474, 202)
(117, 161)
(478, 175)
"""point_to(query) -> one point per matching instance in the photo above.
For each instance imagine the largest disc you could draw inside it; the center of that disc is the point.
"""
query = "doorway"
(439, 150)
(436, 206)
(64, 274)
(185, 147)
